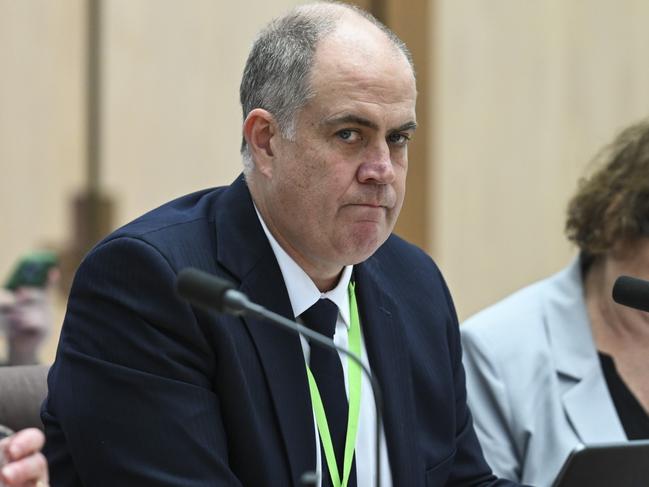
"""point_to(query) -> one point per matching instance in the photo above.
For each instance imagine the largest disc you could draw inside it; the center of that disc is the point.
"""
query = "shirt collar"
(302, 291)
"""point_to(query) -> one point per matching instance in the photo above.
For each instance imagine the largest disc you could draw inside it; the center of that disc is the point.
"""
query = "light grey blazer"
(534, 381)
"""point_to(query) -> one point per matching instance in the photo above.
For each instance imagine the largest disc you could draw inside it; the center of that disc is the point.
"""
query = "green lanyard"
(354, 377)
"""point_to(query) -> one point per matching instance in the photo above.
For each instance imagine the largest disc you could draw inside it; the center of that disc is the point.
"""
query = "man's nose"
(377, 167)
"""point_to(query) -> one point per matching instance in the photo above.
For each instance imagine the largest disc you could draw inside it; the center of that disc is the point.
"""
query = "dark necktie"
(327, 370)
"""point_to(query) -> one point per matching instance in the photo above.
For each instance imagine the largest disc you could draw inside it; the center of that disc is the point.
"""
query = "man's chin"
(364, 244)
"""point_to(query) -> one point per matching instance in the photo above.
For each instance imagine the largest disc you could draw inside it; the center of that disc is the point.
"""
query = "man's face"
(335, 191)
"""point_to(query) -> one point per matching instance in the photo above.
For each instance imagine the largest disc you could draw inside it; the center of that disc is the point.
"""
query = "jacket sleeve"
(469, 467)
(130, 398)
(490, 405)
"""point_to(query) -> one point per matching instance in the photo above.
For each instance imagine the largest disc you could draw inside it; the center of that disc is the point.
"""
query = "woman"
(21, 462)
(558, 363)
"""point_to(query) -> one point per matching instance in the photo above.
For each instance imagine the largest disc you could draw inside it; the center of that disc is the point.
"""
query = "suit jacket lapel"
(282, 358)
(575, 356)
(245, 251)
(385, 343)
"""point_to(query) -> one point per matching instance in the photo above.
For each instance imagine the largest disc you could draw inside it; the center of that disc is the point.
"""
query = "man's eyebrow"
(407, 126)
(357, 120)
(353, 119)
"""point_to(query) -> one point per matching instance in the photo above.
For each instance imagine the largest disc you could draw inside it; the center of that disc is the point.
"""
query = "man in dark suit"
(147, 390)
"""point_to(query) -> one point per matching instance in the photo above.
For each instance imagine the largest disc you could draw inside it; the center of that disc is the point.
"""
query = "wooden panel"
(409, 20)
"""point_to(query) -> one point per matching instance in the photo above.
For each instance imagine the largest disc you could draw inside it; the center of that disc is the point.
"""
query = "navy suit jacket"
(147, 390)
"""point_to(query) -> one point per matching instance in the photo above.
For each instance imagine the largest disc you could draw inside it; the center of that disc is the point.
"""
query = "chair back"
(22, 391)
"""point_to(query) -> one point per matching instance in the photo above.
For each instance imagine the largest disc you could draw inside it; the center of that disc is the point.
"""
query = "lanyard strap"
(354, 377)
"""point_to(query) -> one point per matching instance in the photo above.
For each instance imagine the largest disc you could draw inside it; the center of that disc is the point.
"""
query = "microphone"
(210, 292)
(213, 293)
(632, 292)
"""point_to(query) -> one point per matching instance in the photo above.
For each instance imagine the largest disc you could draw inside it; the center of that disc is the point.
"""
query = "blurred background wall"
(516, 96)
(525, 93)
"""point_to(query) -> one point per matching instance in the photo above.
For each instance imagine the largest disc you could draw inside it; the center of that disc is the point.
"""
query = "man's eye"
(348, 135)
(398, 138)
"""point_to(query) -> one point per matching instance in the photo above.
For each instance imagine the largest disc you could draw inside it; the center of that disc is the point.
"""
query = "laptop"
(606, 465)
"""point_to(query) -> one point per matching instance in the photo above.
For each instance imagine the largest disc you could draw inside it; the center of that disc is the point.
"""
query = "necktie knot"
(322, 317)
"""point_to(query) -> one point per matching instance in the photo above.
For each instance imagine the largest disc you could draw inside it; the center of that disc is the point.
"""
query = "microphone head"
(632, 292)
(202, 289)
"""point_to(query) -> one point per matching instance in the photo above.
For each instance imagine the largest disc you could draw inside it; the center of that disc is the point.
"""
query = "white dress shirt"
(303, 293)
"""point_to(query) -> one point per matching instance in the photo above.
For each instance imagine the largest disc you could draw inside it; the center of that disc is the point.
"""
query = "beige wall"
(171, 119)
(525, 94)
(41, 122)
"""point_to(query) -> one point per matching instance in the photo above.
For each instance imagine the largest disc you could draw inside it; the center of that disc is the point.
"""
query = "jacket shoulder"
(173, 228)
(517, 325)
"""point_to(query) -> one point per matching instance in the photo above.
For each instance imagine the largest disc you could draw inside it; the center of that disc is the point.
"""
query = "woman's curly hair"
(612, 205)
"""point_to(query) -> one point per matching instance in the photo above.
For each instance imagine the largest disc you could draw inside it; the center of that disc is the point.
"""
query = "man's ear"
(258, 129)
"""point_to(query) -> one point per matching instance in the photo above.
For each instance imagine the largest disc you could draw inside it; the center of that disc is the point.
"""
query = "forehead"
(362, 70)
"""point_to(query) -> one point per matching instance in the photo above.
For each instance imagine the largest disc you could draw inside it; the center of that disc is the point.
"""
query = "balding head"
(277, 73)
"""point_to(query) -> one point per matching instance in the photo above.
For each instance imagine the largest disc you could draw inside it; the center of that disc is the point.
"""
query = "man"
(147, 390)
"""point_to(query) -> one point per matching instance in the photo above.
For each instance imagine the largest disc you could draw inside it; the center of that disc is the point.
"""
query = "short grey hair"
(276, 75)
